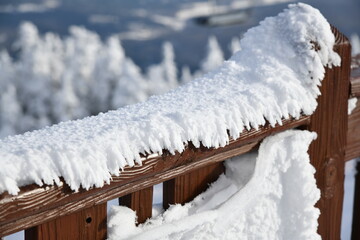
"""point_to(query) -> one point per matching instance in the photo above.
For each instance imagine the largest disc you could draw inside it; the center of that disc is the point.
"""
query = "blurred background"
(67, 59)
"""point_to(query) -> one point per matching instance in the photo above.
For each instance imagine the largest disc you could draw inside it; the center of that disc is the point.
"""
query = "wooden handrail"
(35, 205)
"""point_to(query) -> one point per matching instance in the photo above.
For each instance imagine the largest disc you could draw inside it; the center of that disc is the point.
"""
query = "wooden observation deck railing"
(56, 212)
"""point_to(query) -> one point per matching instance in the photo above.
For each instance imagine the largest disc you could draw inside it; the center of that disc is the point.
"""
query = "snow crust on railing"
(275, 76)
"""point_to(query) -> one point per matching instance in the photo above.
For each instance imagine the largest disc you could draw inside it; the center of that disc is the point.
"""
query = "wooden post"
(327, 152)
(141, 202)
(353, 136)
(184, 188)
(86, 224)
(355, 234)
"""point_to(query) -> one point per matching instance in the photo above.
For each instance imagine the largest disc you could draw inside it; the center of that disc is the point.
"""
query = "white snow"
(274, 201)
(348, 204)
(355, 44)
(82, 75)
(234, 45)
(352, 104)
(276, 75)
(215, 56)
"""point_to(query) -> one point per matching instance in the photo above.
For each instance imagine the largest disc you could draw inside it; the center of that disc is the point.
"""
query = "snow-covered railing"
(57, 211)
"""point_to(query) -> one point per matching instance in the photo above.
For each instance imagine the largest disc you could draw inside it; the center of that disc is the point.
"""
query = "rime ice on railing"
(274, 77)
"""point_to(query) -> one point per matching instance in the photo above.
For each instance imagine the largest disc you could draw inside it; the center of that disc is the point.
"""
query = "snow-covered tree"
(32, 77)
(108, 70)
(234, 45)
(82, 50)
(163, 77)
(185, 75)
(10, 111)
(130, 87)
(169, 65)
(57, 79)
(355, 44)
(214, 57)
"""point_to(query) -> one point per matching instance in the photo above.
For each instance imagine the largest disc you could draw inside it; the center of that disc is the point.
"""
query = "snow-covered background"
(63, 60)
(71, 59)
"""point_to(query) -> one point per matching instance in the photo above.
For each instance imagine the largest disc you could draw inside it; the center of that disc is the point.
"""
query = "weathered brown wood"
(35, 205)
(139, 201)
(87, 224)
(327, 152)
(355, 234)
(353, 134)
(355, 86)
(355, 76)
(186, 187)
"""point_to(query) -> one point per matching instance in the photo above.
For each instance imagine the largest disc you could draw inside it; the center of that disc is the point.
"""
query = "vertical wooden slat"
(139, 201)
(327, 152)
(353, 136)
(184, 188)
(355, 234)
(89, 224)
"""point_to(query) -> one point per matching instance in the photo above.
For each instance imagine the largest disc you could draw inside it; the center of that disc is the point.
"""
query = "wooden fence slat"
(89, 224)
(327, 152)
(355, 76)
(141, 202)
(353, 134)
(355, 234)
(186, 187)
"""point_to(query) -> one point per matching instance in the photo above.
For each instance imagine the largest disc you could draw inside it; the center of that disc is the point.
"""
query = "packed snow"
(352, 104)
(275, 76)
(266, 195)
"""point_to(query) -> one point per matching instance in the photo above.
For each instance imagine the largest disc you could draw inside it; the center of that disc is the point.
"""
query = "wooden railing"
(56, 212)
(353, 142)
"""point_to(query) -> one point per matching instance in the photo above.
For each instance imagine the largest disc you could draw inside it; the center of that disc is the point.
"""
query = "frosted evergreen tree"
(66, 105)
(169, 65)
(82, 50)
(130, 87)
(214, 56)
(109, 68)
(355, 44)
(57, 79)
(163, 77)
(10, 111)
(32, 73)
(185, 75)
(234, 45)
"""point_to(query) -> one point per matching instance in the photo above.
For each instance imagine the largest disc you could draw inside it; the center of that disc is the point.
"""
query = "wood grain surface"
(355, 76)
(353, 134)
(87, 224)
(186, 187)
(355, 234)
(327, 152)
(141, 202)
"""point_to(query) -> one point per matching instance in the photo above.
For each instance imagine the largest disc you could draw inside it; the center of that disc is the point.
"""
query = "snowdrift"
(276, 202)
